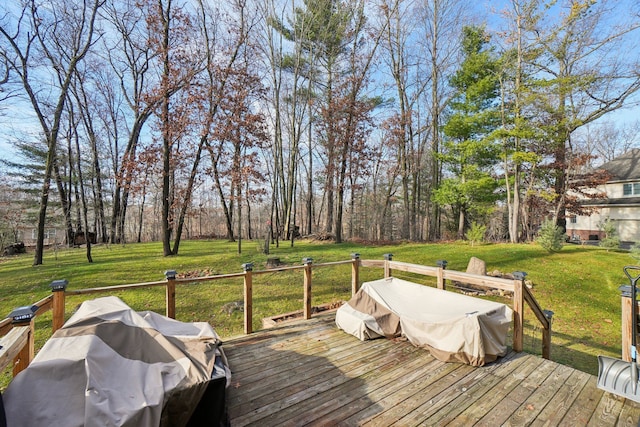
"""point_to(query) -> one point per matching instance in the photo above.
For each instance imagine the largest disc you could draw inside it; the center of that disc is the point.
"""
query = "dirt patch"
(474, 290)
(192, 274)
(278, 319)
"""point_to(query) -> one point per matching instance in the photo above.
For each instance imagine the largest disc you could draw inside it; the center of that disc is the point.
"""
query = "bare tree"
(131, 62)
(420, 50)
(60, 34)
(87, 116)
(83, 221)
(443, 21)
(292, 73)
(606, 140)
(400, 24)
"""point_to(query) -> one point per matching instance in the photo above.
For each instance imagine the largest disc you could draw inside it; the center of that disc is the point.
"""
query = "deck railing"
(17, 333)
(627, 319)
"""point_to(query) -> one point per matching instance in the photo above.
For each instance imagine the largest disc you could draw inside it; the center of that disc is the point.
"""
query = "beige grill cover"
(453, 327)
(112, 366)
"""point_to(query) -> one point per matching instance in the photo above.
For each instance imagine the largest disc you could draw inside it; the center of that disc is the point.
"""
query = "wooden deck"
(312, 373)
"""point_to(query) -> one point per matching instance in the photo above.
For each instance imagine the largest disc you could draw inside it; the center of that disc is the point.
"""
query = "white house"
(621, 204)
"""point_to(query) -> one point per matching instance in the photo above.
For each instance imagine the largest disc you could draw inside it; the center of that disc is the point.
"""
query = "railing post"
(627, 318)
(387, 268)
(58, 287)
(171, 293)
(442, 265)
(307, 287)
(355, 273)
(24, 316)
(546, 336)
(248, 297)
(518, 310)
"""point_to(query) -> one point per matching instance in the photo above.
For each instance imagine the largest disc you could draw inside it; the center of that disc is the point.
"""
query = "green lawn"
(579, 284)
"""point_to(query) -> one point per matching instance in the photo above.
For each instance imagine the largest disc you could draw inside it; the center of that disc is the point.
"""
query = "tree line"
(378, 120)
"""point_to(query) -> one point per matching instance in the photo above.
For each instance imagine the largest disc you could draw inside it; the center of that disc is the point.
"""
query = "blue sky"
(17, 120)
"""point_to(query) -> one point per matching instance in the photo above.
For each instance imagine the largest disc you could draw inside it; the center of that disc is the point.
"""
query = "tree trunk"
(239, 204)
(461, 221)
(42, 212)
(99, 196)
(123, 181)
(228, 213)
(141, 213)
(187, 196)
(85, 210)
(64, 201)
(310, 188)
(165, 16)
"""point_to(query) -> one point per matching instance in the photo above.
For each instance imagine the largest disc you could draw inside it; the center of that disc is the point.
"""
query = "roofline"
(608, 205)
(622, 181)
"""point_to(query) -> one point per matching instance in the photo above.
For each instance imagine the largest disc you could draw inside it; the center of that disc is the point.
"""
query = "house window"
(49, 233)
(631, 189)
(574, 219)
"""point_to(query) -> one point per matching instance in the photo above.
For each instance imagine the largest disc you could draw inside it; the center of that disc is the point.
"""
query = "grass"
(579, 284)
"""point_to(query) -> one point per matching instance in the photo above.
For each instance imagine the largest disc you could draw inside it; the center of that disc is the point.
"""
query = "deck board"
(309, 372)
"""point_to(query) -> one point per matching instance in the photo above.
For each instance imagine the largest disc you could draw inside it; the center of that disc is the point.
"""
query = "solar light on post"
(248, 297)
(519, 275)
(171, 293)
(442, 265)
(24, 316)
(58, 288)
(355, 273)
(307, 287)
(387, 269)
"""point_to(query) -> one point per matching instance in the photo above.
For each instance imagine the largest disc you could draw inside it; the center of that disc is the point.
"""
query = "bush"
(611, 239)
(476, 233)
(635, 252)
(550, 236)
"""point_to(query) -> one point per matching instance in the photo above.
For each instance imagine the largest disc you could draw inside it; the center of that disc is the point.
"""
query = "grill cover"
(112, 366)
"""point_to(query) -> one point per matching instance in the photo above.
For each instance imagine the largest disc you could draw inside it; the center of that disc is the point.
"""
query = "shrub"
(635, 252)
(611, 239)
(476, 233)
(550, 236)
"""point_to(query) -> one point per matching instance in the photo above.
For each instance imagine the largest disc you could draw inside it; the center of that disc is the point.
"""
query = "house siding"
(626, 217)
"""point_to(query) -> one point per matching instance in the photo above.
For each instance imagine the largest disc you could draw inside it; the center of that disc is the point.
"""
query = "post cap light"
(23, 314)
(170, 274)
(388, 257)
(355, 255)
(307, 260)
(247, 266)
(442, 263)
(625, 291)
(519, 275)
(59, 285)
